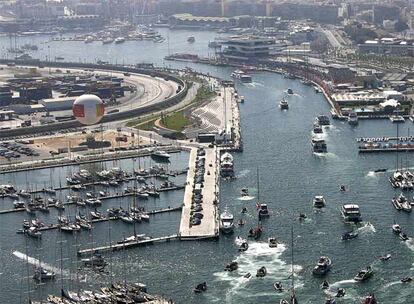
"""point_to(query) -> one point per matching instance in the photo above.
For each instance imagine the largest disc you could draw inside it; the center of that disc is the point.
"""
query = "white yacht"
(160, 155)
(318, 144)
(226, 222)
(242, 76)
(119, 40)
(319, 201)
(226, 165)
(283, 104)
(351, 213)
(397, 118)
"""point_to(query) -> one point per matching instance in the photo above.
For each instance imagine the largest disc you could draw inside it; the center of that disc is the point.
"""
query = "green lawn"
(176, 121)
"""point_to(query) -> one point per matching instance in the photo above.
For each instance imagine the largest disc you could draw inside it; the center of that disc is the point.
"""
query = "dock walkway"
(208, 228)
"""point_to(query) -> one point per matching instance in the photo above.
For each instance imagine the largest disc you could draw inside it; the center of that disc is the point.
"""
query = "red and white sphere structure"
(88, 109)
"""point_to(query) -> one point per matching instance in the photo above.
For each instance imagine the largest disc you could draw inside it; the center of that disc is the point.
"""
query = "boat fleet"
(317, 141)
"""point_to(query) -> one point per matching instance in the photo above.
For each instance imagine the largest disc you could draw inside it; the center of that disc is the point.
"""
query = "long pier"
(122, 246)
(208, 228)
(62, 162)
(106, 219)
(385, 138)
(385, 149)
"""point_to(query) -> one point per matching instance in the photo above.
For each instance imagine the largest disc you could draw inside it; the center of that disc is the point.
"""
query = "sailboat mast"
(258, 185)
(292, 258)
(398, 143)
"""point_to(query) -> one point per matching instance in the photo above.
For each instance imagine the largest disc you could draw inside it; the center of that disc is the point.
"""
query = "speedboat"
(385, 257)
(278, 286)
(272, 242)
(349, 235)
(317, 129)
(351, 213)
(289, 91)
(319, 201)
(232, 266)
(160, 155)
(323, 266)
(200, 287)
(318, 145)
(283, 104)
(406, 280)
(370, 300)
(263, 210)
(243, 246)
(42, 274)
(325, 285)
(403, 236)
(322, 120)
(244, 192)
(340, 293)
(364, 274)
(261, 272)
(226, 222)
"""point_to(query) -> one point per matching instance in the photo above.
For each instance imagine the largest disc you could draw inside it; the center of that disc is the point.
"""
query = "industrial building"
(57, 104)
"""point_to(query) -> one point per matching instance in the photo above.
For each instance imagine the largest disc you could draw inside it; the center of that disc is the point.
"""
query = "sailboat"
(293, 299)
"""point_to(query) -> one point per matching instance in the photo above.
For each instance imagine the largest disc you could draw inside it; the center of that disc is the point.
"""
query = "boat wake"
(410, 243)
(245, 198)
(259, 254)
(367, 228)
(341, 284)
(326, 155)
(36, 262)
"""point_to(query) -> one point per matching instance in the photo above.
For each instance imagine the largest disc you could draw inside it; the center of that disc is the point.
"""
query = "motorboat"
(403, 236)
(370, 300)
(241, 222)
(191, 39)
(41, 274)
(325, 285)
(340, 293)
(243, 246)
(342, 188)
(94, 261)
(119, 40)
(289, 91)
(96, 215)
(302, 216)
(232, 266)
(349, 235)
(242, 76)
(319, 201)
(247, 275)
(397, 119)
(396, 228)
(385, 257)
(244, 192)
(18, 204)
(200, 287)
(261, 272)
(134, 238)
(406, 206)
(226, 222)
(107, 40)
(330, 301)
(317, 129)
(318, 144)
(278, 286)
(406, 280)
(351, 213)
(34, 233)
(323, 266)
(283, 104)
(353, 118)
(399, 202)
(160, 156)
(256, 232)
(272, 242)
(263, 211)
(380, 170)
(364, 274)
(322, 120)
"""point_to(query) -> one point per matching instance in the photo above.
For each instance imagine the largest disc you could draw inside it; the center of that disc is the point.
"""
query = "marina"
(284, 157)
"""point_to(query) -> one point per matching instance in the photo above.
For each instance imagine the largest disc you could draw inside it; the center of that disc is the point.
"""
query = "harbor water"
(277, 143)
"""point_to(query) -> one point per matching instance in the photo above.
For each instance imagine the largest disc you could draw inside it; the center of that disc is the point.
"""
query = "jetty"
(122, 246)
(208, 227)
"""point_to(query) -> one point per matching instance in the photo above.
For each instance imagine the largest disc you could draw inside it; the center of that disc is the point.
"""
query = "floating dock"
(209, 227)
(117, 247)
